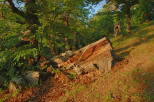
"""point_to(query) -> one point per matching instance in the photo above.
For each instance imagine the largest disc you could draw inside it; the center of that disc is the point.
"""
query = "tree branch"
(16, 10)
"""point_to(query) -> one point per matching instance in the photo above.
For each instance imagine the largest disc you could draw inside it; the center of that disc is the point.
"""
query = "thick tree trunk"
(128, 17)
(31, 18)
(128, 23)
(117, 27)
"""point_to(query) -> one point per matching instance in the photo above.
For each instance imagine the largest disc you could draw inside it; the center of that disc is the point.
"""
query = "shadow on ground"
(136, 44)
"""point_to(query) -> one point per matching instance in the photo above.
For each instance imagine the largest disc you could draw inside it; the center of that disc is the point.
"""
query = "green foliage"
(100, 25)
(59, 24)
(152, 58)
(143, 11)
(72, 75)
(55, 71)
(9, 35)
(97, 95)
(63, 68)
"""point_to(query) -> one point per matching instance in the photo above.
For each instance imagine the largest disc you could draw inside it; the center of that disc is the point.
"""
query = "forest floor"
(130, 80)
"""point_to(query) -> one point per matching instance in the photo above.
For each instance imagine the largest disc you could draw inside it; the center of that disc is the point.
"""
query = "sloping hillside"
(131, 79)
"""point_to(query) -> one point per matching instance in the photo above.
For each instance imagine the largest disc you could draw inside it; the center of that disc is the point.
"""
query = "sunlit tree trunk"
(128, 17)
(115, 19)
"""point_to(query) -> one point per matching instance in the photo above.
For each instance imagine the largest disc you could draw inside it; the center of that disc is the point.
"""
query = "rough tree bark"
(117, 27)
(128, 17)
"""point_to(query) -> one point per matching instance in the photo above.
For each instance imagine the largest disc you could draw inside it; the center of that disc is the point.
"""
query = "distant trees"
(125, 7)
(144, 11)
(123, 12)
(101, 25)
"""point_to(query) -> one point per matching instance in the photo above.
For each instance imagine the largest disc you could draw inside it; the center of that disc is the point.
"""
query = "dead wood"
(97, 55)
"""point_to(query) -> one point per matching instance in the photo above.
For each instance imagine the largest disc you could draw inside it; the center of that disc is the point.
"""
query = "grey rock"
(32, 77)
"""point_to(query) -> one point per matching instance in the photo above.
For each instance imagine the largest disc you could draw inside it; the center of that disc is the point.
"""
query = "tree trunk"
(128, 23)
(117, 27)
(128, 17)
